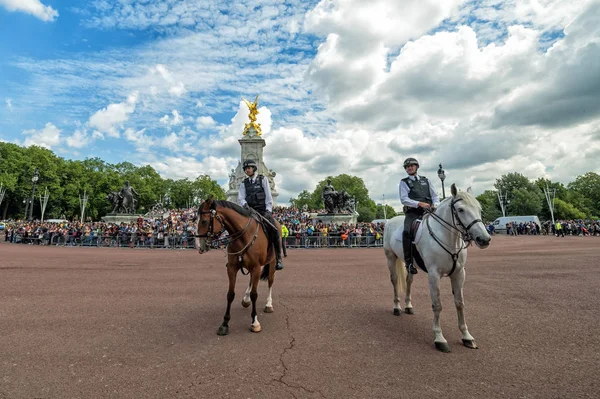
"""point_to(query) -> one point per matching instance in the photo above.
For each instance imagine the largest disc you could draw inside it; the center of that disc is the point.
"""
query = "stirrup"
(278, 264)
(411, 268)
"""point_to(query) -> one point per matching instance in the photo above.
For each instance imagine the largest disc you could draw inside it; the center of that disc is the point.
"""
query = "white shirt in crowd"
(404, 190)
(266, 187)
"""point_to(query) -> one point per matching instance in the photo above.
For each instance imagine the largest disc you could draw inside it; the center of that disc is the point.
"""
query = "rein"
(452, 227)
(212, 237)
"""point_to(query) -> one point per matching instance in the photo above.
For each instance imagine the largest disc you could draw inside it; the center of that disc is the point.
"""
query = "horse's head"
(467, 213)
(210, 225)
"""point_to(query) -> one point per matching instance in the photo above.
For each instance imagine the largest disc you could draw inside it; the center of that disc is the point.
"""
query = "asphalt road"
(126, 323)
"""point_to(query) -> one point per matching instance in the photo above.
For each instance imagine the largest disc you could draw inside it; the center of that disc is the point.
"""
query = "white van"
(500, 223)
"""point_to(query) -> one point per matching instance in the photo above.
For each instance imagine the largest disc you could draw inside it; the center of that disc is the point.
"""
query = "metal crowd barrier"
(175, 241)
(333, 241)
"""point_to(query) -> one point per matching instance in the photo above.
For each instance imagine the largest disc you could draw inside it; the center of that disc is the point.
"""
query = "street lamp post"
(442, 175)
(26, 202)
(34, 180)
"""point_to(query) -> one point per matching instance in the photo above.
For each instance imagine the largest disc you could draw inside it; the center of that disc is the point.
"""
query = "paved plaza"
(130, 323)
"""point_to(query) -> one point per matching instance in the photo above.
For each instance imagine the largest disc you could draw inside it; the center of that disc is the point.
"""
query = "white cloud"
(177, 119)
(33, 7)
(181, 167)
(9, 104)
(172, 142)
(483, 86)
(79, 139)
(178, 90)
(47, 137)
(203, 122)
(175, 88)
(111, 118)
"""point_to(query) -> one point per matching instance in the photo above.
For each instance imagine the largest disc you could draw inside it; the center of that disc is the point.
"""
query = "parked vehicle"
(500, 223)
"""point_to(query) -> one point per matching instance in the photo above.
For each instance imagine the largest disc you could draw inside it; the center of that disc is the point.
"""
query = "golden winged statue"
(253, 125)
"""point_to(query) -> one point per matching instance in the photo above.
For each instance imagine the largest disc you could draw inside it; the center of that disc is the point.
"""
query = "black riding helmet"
(410, 161)
(251, 163)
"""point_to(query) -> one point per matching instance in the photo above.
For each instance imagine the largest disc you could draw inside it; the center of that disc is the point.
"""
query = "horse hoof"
(470, 343)
(442, 347)
(409, 311)
(245, 304)
(268, 309)
(223, 330)
(256, 329)
(397, 312)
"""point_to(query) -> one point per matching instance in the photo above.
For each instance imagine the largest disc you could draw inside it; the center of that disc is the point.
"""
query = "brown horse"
(249, 248)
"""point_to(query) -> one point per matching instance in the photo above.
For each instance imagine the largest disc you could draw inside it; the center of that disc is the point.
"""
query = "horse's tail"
(265, 272)
(402, 274)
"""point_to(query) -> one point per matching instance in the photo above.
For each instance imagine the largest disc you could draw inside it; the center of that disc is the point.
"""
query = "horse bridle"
(211, 236)
(211, 225)
(466, 236)
(456, 223)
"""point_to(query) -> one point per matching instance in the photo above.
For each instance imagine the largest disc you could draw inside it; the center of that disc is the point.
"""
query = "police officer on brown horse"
(416, 194)
(255, 192)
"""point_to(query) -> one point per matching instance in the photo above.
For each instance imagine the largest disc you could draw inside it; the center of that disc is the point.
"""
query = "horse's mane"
(469, 199)
(232, 205)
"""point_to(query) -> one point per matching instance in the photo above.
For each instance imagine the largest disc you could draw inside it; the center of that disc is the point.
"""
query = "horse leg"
(436, 304)
(246, 299)
(269, 305)
(458, 280)
(391, 264)
(408, 308)
(232, 274)
(255, 327)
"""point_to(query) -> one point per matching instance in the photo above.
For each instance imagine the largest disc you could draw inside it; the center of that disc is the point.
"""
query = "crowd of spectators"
(580, 228)
(173, 228)
(304, 231)
(560, 228)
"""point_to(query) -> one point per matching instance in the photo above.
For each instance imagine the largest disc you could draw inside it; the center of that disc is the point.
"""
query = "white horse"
(443, 246)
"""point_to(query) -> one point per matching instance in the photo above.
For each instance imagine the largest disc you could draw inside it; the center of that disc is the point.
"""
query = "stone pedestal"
(252, 148)
(120, 218)
(336, 218)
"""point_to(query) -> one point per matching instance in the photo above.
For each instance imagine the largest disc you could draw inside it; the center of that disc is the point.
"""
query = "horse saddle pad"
(415, 232)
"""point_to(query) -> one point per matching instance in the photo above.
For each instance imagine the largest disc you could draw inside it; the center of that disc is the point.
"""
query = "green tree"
(525, 197)
(525, 202)
(355, 186)
(564, 210)
(389, 212)
(588, 188)
(490, 207)
(304, 198)
(204, 186)
(67, 180)
(367, 212)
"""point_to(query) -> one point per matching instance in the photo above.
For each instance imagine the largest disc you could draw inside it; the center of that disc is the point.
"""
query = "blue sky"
(346, 86)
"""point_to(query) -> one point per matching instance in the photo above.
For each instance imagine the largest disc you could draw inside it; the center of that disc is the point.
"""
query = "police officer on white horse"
(255, 192)
(416, 194)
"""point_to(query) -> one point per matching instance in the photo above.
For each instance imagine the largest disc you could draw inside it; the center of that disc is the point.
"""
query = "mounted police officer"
(416, 194)
(255, 192)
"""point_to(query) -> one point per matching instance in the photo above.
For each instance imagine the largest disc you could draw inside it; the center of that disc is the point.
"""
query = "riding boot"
(277, 247)
(407, 249)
